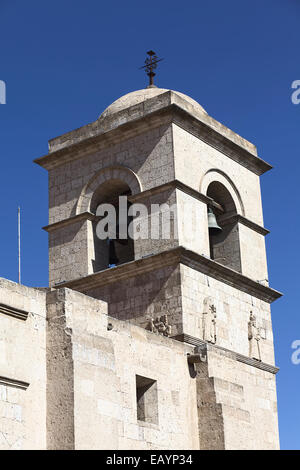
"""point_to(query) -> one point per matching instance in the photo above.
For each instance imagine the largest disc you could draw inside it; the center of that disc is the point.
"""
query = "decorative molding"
(175, 184)
(202, 347)
(123, 125)
(122, 271)
(235, 218)
(170, 257)
(13, 312)
(197, 195)
(228, 276)
(71, 220)
(105, 138)
(13, 383)
(106, 174)
(214, 174)
(208, 133)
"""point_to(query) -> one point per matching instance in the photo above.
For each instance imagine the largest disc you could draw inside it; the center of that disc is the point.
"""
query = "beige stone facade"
(173, 347)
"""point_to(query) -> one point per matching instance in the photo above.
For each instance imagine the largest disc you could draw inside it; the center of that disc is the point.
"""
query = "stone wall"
(22, 367)
(150, 295)
(102, 379)
(155, 157)
(71, 248)
(149, 156)
(180, 291)
(247, 396)
(197, 164)
(233, 308)
(72, 383)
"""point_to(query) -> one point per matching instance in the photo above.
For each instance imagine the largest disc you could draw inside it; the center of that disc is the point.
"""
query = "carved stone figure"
(209, 320)
(160, 325)
(254, 338)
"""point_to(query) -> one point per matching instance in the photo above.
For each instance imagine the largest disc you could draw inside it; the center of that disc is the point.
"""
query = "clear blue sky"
(65, 61)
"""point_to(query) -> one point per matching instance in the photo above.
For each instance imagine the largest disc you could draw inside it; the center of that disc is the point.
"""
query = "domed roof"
(138, 96)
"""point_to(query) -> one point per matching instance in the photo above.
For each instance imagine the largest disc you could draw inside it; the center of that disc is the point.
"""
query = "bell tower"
(200, 275)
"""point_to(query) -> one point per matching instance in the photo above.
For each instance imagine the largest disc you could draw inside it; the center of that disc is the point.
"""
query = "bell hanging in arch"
(213, 227)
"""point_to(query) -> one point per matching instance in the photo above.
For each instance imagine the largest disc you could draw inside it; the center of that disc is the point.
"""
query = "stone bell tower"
(205, 287)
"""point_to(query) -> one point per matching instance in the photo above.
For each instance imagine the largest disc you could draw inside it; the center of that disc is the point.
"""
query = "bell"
(213, 226)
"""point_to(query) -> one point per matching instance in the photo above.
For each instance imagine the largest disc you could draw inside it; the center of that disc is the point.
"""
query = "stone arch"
(215, 175)
(223, 227)
(121, 173)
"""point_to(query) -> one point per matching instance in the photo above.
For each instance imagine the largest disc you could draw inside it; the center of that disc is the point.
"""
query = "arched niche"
(105, 188)
(224, 244)
(113, 173)
(216, 175)
(111, 251)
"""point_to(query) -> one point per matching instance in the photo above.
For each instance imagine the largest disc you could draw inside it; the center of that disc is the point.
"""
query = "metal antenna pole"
(19, 242)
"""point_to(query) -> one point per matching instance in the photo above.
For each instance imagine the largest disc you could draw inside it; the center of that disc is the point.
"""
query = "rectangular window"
(146, 398)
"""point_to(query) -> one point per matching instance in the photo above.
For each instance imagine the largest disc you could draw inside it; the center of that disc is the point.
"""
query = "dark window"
(146, 398)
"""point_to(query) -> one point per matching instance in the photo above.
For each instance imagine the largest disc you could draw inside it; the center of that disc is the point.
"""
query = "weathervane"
(151, 64)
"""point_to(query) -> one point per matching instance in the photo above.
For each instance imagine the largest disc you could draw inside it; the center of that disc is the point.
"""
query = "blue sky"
(65, 61)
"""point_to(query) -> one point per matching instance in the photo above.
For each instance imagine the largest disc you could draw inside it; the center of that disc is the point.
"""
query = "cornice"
(13, 312)
(13, 383)
(247, 222)
(172, 257)
(202, 347)
(70, 221)
(221, 142)
(175, 184)
(228, 276)
(211, 132)
(105, 139)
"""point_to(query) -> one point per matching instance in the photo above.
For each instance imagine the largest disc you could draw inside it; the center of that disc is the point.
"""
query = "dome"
(138, 96)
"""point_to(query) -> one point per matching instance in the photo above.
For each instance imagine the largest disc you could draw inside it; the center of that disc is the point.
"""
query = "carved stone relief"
(209, 317)
(160, 325)
(254, 337)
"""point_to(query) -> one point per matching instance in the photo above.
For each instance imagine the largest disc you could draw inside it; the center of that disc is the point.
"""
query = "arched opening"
(223, 227)
(112, 250)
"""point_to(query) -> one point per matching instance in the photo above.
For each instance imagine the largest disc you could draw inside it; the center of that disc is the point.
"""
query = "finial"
(151, 64)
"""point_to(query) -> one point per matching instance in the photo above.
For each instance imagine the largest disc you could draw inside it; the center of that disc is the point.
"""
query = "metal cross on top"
(151, 64)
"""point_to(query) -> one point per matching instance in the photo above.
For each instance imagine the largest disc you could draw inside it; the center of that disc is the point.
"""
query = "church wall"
(149, 155)
(104, 368)
(167, 233)
(194, 158)
(253, 254)
(69, 252)
(248, 399)
(233, 309)
(192, 223)
(22, 368)
(149, 295)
